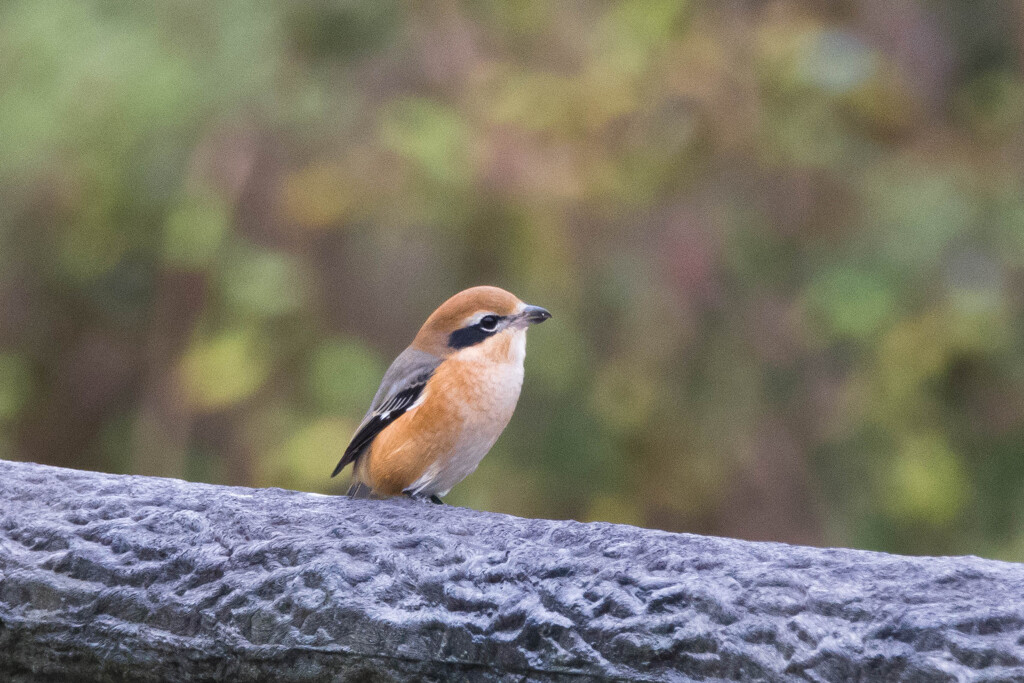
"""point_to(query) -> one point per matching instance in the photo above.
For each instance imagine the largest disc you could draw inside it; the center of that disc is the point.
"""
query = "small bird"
(445, 400)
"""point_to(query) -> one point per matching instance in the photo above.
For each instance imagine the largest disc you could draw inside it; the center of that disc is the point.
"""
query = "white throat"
(508, 347)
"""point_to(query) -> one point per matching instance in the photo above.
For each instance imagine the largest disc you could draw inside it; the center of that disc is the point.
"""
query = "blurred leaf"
(343, 376)
(630, 32)
(1009, 220)
(916, 212)
(614, 510)
(316, 196)
(91, 249)
(994, 103)
(928, 482)
(308, 456)
(263, 283)
(534, 101)
(836, 61)
(218, 373)
(338, 29)
(851, 303)
(911, 353)
(195, 230)
(432, 136)
(624, 394)
(15, 385)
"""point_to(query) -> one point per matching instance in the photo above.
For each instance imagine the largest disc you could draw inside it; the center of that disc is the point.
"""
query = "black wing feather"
(388, 412)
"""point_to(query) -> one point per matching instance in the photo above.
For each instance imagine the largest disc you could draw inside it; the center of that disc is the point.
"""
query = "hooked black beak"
(534, 314)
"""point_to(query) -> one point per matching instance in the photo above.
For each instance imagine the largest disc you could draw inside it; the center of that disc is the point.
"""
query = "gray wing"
(402, 385)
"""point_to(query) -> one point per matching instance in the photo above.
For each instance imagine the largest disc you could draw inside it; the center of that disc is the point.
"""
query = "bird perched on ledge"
(445, 400)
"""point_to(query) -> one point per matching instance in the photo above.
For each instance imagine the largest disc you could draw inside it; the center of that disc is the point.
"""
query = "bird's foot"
(433, 499)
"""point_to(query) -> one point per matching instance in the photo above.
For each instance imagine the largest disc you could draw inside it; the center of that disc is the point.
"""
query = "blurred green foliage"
(783, 243)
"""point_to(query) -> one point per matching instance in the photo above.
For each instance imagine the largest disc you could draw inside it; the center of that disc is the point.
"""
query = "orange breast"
(466, 401)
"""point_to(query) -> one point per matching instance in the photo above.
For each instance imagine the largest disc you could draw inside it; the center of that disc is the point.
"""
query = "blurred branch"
(163, 427)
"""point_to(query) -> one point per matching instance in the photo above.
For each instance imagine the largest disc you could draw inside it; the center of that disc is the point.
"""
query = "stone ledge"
(118, 578)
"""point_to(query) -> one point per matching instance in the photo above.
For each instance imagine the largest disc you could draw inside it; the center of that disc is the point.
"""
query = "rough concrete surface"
(117, 578)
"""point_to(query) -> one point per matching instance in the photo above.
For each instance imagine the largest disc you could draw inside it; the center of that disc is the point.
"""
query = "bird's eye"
(488, 323)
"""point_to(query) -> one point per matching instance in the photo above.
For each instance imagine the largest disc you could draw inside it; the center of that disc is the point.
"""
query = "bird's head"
(480, 318)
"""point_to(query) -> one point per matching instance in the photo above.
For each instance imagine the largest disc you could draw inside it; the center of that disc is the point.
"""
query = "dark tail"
(360, 490)
(340, 467)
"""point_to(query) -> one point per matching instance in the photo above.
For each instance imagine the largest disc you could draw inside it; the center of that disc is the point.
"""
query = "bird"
(445, 400)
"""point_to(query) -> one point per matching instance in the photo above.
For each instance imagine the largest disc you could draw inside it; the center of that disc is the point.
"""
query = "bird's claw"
(433, 499)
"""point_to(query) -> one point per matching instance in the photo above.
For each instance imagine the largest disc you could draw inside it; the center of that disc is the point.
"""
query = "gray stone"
(118, 578)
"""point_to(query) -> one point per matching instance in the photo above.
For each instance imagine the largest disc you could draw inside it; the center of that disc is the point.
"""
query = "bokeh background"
(783, 242)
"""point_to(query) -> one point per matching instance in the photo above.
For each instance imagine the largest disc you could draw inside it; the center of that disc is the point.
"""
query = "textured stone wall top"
(106, 577)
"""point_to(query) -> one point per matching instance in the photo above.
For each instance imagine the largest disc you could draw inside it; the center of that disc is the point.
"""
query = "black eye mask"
(474, 334)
